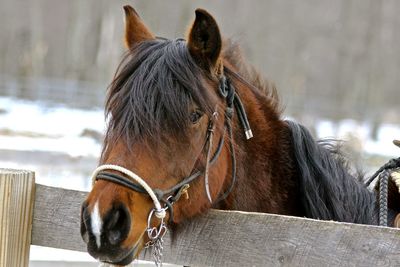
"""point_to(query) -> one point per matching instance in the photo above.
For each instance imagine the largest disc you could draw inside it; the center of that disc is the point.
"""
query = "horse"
(191, 126)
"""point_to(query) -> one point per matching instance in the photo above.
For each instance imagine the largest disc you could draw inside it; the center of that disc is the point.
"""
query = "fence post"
(17, 190)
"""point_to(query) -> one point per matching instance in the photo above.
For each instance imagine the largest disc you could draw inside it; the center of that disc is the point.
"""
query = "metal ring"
(154, 233)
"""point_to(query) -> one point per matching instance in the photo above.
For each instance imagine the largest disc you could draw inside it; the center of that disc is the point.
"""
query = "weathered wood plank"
(16, 205)
(56, 218)
(222, 238)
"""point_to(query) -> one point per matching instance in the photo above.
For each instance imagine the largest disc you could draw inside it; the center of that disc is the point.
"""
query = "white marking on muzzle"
(96, 223)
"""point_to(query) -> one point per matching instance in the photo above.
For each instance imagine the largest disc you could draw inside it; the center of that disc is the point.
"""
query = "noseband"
(169, 196)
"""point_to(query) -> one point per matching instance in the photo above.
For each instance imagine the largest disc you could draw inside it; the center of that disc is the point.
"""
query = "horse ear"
(135, 29)
(204, 41)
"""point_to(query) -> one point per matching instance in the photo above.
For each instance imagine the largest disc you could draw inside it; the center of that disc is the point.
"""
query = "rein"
(169, 196)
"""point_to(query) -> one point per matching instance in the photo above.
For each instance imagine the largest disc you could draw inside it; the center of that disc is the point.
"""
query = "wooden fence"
(40, 215)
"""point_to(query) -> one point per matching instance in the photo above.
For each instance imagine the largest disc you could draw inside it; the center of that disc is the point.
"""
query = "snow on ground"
(384, 145)
(51, 140)
(54, 254)
(349, 129)
(40, 254)
(72, 145)
(55, 128)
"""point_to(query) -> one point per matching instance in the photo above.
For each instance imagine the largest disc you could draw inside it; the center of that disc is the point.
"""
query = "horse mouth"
(126, 257)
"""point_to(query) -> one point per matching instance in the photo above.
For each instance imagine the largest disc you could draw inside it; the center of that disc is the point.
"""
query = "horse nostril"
(114, 219)
(84, 221)
(117, 225)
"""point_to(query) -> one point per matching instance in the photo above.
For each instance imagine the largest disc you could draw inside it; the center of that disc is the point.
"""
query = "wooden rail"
(233, 238)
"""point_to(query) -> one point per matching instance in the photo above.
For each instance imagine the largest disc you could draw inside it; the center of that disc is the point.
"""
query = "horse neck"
(277, 173)
(265, 170)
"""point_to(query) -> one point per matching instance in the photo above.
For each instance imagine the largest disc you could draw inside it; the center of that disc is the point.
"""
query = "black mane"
(153, 89)
(328, 190)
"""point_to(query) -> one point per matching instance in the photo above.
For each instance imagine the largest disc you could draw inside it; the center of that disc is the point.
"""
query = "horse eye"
(195, 116)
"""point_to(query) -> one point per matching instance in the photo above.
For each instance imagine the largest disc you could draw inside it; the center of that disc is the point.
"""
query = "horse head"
(167, 111)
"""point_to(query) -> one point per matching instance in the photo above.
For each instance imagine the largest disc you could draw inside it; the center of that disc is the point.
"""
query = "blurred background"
(336, 65)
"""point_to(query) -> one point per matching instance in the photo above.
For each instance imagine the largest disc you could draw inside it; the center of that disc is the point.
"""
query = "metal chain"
(156, 241)
(158, 251)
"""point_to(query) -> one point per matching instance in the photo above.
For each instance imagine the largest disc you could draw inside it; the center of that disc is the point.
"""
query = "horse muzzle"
(104, 236)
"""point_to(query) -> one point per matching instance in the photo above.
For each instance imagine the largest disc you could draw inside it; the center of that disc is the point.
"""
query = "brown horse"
(191, 127)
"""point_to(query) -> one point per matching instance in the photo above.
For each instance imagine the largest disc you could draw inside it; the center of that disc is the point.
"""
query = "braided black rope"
(383, 197)
(384, 175)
